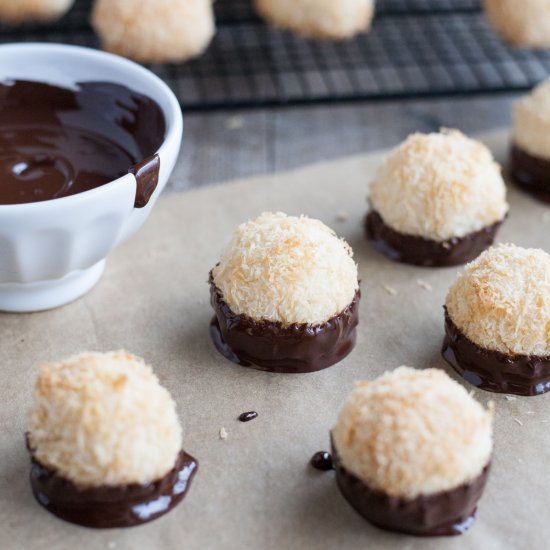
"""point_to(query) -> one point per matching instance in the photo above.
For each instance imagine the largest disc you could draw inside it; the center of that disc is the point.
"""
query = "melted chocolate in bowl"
(446, 513)
(112, 506)
(493, 370)
(56, 142)
(270, 346)
(530, 173)
(415, 250)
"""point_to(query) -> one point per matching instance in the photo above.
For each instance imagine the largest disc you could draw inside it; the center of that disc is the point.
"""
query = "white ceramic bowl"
(54, 251)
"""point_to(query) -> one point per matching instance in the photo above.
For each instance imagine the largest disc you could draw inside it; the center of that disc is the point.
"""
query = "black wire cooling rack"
(417, 48)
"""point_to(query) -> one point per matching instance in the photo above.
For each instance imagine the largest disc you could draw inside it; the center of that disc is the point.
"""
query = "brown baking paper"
(255, 488)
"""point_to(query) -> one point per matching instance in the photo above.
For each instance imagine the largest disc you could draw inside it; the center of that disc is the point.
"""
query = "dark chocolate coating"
(112, 506)
(493, 370)
(446, 513)
(530, 173)
(270, 346)
(248, 416)
(56, 142)
(415, 250)
(322, 460)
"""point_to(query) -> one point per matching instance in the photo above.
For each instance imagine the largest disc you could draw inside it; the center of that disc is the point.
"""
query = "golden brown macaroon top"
(286, 269)
(103, 419)
(501, 301)
(521, 22)
(438, 186)
(531, 125)
(154, 30)
(322, 19)
(413, 432)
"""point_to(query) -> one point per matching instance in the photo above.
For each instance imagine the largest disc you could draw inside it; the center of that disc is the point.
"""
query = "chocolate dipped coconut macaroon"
(497, 321)
(530, 151)
(105, 442)
(437, 200)
(285, 295)
(412, 452)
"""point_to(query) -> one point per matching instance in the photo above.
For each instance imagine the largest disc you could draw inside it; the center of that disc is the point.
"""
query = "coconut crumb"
(234, 123)
(342, 217)
(16, 12)
(325, 19)
(390, 290)
(531, 120)
(223, 433)
(154, 30)
(502, 300)
(439, 186)
(510, 397)
(413, 432)
(518, 421)
(103, 419)
(423, 284)
(287, 269)
(523, 24)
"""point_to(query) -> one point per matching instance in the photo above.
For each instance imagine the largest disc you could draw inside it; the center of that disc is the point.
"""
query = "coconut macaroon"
(281, 288)
(498, 321)
(437, 199)
(412, 452)
(525, 23)
(16, 12)
(324, 19)
(154, 30)
(101, 426)
(530, 151)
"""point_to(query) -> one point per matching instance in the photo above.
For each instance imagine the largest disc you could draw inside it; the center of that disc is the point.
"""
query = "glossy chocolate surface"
(56, 142)
(248, 416)
(414, 250)
(270, 346)
(322, 460)
(492, 370)
(530, 173)
(112, 506)
(446, 513)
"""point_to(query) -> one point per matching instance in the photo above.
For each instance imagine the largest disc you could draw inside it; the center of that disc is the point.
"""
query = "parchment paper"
(255, 489)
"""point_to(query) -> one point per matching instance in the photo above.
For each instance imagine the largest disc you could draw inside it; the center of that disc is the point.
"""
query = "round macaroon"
(437, 200)
(497, 321)
(17, 12)
(525, 23)
(105, 442)
(285, 295)
(412, 452)
(154, 31)
(530, 151)
(323, 19)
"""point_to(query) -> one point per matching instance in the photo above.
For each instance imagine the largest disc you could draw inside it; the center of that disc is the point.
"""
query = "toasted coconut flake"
(413, 432)
(502, 300)
(103, 419)
(439, 186)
